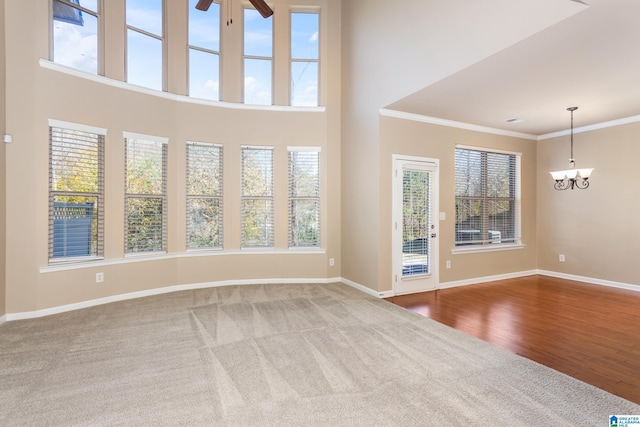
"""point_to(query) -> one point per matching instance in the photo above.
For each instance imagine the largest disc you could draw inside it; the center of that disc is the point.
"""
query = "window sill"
(158, 256)
(49, 65)
(487, 248)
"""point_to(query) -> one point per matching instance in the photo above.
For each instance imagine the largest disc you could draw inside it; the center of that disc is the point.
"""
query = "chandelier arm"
(561, 185)
(582, 184)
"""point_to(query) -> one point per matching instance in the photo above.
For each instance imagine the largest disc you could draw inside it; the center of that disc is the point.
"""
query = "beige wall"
(3, 180)
(596, 229)
(389, 52)
(36, 94)
(412, 138)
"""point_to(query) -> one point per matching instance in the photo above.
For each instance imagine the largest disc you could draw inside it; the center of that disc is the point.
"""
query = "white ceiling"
(590, 60)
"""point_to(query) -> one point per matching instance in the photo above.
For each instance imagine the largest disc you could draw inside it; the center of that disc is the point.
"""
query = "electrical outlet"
(332, 262)
(561, 257)
(99, 277)
(448, 264)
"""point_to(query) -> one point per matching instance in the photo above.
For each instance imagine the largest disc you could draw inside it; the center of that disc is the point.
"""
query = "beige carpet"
(275, 355)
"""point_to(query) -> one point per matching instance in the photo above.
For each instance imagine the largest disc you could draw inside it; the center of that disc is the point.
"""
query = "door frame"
(396, 271)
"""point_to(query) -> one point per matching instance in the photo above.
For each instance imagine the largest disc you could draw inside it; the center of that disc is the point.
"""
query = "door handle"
(434, 235)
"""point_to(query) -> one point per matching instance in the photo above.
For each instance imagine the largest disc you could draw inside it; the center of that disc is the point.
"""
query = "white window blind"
(76, 194)
(204, 51)
(304, 198)
(305, 27)
(204, 196)
(487, 197)
(257, 197)
(145, 195)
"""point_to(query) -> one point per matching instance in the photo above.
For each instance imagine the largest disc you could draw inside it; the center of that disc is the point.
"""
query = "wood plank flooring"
(589, 332)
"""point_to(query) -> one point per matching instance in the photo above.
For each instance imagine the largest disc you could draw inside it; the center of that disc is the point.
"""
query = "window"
(204, 51)
(304, 197)
(304, 58)
(258, 58)
(145, 193)
(76, 191)
(204, 195)
(145, 43)
(257, 197)
(75, 34)
(487, 197)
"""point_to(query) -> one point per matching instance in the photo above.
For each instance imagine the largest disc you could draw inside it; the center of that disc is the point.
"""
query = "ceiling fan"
(260, 6)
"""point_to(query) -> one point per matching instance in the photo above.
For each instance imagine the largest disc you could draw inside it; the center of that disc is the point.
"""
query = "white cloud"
(212, 85)
(74, 48)
(314, 37)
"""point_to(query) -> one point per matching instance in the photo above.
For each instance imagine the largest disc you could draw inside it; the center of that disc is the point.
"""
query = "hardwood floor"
(589, 332)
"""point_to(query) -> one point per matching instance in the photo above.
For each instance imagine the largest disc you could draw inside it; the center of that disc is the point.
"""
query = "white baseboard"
(591, 280)
(362, 288)
(367, 290)
(476, 280)
(158, 291)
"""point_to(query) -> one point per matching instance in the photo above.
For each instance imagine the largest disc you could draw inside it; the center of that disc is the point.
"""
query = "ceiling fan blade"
(262, 7)
(203, 5)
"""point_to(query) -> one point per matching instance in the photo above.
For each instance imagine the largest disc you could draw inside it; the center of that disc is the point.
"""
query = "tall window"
(257, 197)
(76, 191)
(204, 195)
(145, 193)
(304, 197)
(258, 58)
(145, 43)
(75, 34)
(204, 51)
(304, 58)
(487, 197)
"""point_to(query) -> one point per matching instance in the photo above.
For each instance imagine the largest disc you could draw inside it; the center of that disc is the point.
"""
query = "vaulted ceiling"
(590, 58)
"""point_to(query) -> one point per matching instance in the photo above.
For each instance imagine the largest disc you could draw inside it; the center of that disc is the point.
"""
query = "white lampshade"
(559, 175)
(585, 173)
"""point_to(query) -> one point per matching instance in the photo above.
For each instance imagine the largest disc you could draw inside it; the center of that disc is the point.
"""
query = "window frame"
(131, 196)
(486, 244)
(100, 135)
(219, 197)
(161, 38)
(99, 15)
(292, 59)
(292, 199)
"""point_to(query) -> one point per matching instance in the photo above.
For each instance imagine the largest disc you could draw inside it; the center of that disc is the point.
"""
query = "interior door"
(415, 224)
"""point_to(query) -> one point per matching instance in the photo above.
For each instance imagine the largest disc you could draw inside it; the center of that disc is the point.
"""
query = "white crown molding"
(595, 126)
(453, 124)
(461, 125)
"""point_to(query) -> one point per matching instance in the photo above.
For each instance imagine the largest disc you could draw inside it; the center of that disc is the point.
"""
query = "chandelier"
(571, 178)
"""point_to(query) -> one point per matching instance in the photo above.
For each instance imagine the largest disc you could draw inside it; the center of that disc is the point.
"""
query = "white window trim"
(133, 135)
(304, 148)
(77, 126)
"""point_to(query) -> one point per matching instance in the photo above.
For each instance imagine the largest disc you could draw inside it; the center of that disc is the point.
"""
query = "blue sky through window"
(204, 63)
(304, 55)
(75, 44)
(75, 35)
(144, 52)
